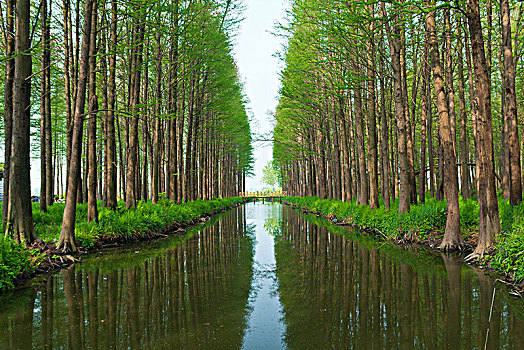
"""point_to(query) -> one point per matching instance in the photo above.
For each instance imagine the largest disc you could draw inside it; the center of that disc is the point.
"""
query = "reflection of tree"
(191, 295)
(47, 315)
(453, 321)
(72, 296)
(273, 226)
(338, 293)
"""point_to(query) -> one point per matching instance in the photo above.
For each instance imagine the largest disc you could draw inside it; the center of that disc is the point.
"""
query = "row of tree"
(377, 101)
(137, 99)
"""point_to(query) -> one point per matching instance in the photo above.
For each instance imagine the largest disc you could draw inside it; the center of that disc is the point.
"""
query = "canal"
(264, 276)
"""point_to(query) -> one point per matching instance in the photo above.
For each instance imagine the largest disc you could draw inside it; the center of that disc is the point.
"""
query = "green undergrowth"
(420, 221)
(126, 224)
(121, 224)
(14, 259)
(506, 256)
(121, 258)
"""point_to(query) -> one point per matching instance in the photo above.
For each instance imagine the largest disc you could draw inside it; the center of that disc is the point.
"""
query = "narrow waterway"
(264, 276)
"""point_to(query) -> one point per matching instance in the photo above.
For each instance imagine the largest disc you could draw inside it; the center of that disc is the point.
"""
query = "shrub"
(14, 259)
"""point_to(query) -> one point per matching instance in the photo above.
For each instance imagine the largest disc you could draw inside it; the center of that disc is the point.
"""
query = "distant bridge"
(263, 195)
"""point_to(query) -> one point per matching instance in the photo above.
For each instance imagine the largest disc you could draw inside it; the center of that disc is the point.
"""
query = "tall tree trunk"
(424, 101)
(132, 155)
(103, 188)
(473, 102)
(449, 77)
(122, 182)
(43, 109)
(395, 48)
(189, 140)
(385, 137)
(67, 77)
(408, 129)
(489, 28)
(110, 156)
(510, 117)
(489, 222)
(372, 123)
(8, 100)
(172, 161)
(155, 178)
(67, 234)
(452, 238)
(180, 151)
(19, 211)
(431, 149)
(145, 133)
(363, 194)
(92, 207)
(337, 166)
(50, 196)
(464, 144)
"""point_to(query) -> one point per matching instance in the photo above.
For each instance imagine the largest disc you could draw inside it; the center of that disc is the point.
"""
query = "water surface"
(264, 276)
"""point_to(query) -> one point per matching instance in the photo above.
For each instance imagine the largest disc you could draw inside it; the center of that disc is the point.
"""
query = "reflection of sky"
(254, 50)
(266, 326)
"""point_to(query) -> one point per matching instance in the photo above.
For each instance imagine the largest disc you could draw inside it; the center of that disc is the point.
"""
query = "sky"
(254, 52)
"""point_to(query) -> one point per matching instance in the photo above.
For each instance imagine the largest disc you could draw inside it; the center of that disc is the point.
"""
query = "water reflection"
(191, 295)
(266, 321)
(265, 277)
(340, 293)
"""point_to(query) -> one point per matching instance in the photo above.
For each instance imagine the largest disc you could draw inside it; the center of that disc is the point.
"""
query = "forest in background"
(131, 100)
(390, 103)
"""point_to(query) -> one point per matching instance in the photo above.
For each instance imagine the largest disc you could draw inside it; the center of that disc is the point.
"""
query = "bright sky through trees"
(254, 52)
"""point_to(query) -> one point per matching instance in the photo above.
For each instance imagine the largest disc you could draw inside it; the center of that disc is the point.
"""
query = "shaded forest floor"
(425, 224)
(148, 221)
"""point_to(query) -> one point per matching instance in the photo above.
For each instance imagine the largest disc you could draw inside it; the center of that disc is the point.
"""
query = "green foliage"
(14, 259)
(509, 257)
(509, 251)
(270, 174)
(469, 213)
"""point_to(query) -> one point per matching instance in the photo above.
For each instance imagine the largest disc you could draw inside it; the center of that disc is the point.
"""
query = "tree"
(19, 211)
(331, 85)
(510, 110)
(394, 39)
(92, 206)
(452, 238)
(8, 100)
(489, 222)
(66, 241)
(270, 174)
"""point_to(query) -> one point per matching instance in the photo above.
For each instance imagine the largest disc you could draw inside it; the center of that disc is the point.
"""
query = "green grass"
(121, 224)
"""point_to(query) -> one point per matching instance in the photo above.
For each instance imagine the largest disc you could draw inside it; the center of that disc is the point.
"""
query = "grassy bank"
(120, 225)
(427, 222)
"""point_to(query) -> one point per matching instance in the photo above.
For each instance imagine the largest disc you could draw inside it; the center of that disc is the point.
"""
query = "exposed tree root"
(473, 257)
(66, 245)
(452, 246)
